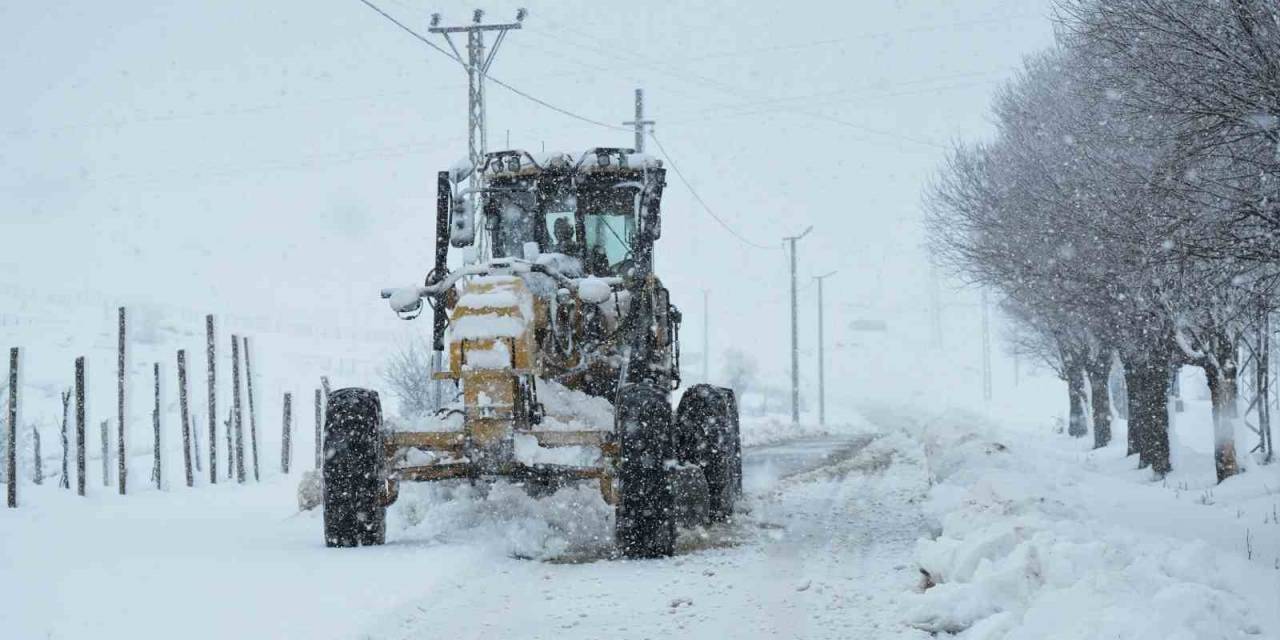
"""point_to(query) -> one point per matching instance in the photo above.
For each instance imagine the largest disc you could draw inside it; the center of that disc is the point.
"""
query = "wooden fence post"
(185, 414)
(122, 455)
(195, 440)
(253, 422)
(65, 482)
(157, 473)
(211, 380)
(236, 416)
(287, 434)
(39, 464)
(80, 456)
(319, 433)
(11, 455)
(106, 456)
(226, 428)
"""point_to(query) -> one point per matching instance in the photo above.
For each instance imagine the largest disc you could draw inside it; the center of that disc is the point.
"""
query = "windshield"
(609, 224)
(514, 224)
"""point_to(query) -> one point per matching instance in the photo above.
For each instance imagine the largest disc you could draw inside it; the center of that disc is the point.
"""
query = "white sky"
(280, 157)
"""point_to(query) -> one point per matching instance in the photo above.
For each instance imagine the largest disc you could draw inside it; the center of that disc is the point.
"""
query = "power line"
(496, 81)
(705, 81)
(702, 202)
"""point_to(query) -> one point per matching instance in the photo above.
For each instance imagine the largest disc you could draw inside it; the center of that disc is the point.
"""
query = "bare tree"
(409, 375)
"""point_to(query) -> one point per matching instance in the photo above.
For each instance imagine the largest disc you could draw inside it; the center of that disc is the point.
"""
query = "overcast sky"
(279, 157)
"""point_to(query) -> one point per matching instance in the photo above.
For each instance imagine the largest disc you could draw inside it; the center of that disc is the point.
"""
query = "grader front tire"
(355, 513)
(645, 523)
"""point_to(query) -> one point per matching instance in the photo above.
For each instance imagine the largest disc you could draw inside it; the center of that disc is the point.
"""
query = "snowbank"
(1042, 538)
(771, 429)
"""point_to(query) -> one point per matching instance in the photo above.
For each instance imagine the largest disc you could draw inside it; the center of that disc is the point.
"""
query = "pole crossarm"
(477, 27)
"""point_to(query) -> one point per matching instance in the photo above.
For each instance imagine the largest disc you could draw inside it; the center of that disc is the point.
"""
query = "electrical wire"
(705, 81)
(536, 100)
(492, 79)
(702, 202)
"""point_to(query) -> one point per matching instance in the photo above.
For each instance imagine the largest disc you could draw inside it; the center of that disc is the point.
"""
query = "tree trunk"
(1077, 423)
(1223, 392)
(1098, 367)
(1148, 384)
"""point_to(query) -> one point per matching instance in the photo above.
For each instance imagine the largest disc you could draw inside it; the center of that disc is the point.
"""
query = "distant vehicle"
(869, 324)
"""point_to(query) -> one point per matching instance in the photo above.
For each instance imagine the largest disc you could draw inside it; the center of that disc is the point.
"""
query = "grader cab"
(562, 352)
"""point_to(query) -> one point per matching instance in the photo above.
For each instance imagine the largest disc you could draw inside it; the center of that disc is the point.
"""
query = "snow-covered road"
(815, 557)
(822, 550)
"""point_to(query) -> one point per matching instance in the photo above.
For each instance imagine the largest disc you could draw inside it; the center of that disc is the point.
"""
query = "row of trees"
(1127, 208)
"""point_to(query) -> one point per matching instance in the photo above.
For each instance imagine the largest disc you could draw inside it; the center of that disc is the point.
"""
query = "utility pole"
(822, 373)
(795, 331)
(935, 308)
(986, 349)
(640, 123)
(706, 337)
(476, 64)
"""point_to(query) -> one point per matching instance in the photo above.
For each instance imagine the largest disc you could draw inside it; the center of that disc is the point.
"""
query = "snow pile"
(570, 410)
(573, 521)
(529, 452)
(1035, 543)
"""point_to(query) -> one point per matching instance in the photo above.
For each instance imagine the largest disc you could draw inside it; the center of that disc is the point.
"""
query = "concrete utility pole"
(935, 308)
(706, 337)
(822, 369)
(476, 64)
(640, 123)
(795, 331)
(986, 349)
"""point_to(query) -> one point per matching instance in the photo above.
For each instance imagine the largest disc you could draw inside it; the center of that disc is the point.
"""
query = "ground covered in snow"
(1018, 532)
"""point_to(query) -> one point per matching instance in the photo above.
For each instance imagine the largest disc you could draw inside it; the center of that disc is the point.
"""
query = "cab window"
(610, 226)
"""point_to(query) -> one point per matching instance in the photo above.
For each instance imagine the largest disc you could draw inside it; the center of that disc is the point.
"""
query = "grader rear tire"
(645, 523)
(354, 483)
(707, 436)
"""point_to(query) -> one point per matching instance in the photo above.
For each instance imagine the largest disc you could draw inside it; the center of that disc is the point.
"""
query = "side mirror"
(651, 214)
(462, 222)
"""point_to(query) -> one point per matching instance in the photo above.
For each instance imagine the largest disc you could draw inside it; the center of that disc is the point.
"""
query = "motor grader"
(562, 351)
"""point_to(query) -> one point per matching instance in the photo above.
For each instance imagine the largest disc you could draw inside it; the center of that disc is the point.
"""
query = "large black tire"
(645, 523)
(707, 436)
(354, 477)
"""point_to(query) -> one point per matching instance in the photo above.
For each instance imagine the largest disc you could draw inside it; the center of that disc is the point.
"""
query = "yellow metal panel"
(571, 438)
(425, 439)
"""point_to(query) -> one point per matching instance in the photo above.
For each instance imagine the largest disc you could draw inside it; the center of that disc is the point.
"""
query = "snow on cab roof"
(518, 161)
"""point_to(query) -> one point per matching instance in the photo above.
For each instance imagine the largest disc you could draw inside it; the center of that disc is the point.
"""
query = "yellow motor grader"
(562, 350)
